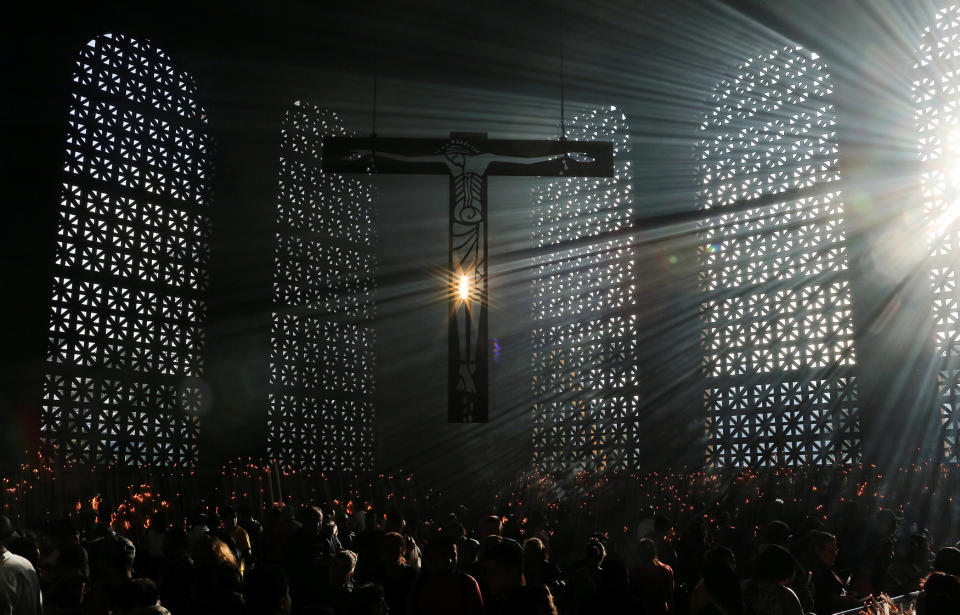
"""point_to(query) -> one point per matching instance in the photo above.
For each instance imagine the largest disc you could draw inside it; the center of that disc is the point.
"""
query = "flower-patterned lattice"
(777, 333)
(584, 359)
(124, 353)
(320, 414)
(936, 94)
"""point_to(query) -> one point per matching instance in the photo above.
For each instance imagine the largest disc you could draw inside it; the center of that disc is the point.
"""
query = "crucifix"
(467, 159)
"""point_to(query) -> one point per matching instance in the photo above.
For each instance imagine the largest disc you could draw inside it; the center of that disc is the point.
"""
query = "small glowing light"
(464, 288)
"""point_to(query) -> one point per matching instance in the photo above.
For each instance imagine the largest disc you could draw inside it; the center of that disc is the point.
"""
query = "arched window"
(936, 93)
(126, 333)
(777, 331)
(585, 368)
(321, 371)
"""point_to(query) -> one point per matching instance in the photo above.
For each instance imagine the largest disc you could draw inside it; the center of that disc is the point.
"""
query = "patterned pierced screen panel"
(320, 414)
(124, 355)
(585, 356)
(777, 332)
(936, 94)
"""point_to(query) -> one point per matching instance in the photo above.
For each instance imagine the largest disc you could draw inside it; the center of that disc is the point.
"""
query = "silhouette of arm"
(575, 156)
(358, 154)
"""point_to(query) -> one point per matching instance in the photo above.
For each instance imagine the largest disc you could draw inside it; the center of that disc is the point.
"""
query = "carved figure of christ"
(468, 159)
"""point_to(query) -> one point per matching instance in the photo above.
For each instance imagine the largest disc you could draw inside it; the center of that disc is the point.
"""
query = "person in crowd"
(19, 582)
(661, 536)
(85, 566)
(112, 567)
(502, 565)
(691, 550)
(59, 535)
(440, 589)
(913, 566)
(392, 572)
(218, 529)
(884, 527)
(136, 596)
(251, 526)
(830, 592)
(948, 561)
(614, 595)
(536, 527)
(150, 553)
(24, 543)
(718, 592)
(940, 595)
(176, 571)
(217, 587)
(851, 535)
(336, 596)
(279, 526)
(367, 543)
(467, 552)
(239, 535)
(768, 592)
(582, 580)
(537, 567)
(778, 533)
(452, 528)
(394, 522)
(490, 525)
(197, 525)
(727, 533)
(652, 580)
(873, 576)
(66, 582)
(266, 592)
(306, 557)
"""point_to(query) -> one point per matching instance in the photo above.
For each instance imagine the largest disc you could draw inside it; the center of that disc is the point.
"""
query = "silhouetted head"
(342, 566)
(948, 560)
(502, 565)
(940, 595)
(776, 565)
(534, 550)
(823, 546)
(594, 552)
(778, 533)
(646, 551)
(392, 548)
(6, 530)
(440, 556)
(312, 518)
(491, 525)
(137, 594)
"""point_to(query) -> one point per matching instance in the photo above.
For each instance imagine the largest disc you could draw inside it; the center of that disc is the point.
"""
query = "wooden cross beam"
(468, 159)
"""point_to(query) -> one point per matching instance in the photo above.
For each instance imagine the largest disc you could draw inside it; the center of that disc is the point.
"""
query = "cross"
(468, 158)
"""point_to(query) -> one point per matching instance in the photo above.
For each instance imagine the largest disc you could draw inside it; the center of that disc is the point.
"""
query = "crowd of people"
(324, 558)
